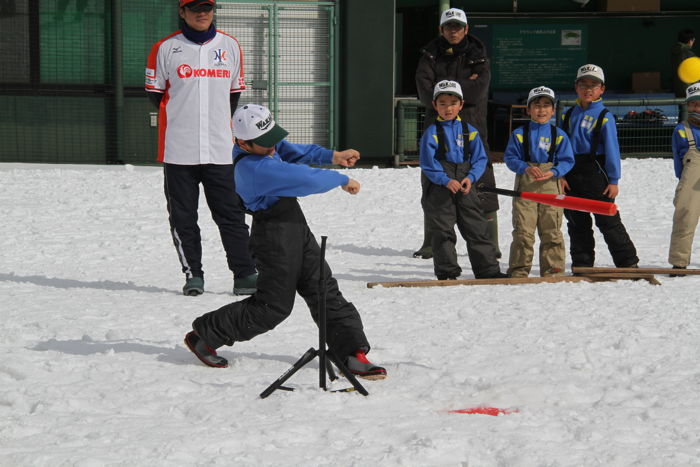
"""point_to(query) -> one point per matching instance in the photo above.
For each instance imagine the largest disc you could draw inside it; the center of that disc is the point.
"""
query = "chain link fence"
(289, 54)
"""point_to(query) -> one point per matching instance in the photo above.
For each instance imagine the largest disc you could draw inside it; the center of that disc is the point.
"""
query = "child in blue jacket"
(452, 157)
(540, 154)
(596, 173)
(686, 162)
(270, 173)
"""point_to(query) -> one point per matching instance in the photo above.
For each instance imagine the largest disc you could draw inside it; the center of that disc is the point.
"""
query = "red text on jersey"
(185, 71)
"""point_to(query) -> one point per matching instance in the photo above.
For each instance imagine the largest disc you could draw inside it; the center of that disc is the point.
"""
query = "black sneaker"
(677, 275)
(204, 353)
(360, 366)
(496, 275)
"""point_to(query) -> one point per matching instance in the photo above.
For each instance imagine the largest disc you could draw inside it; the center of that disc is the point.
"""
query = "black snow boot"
(204, 353)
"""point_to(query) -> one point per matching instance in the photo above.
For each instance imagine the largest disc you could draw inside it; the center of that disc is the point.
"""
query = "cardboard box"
(645, 82)
(631, 5)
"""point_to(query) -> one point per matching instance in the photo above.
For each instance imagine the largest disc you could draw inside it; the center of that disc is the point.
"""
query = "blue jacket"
(679, 143)
(454, 152)
(580, 128)
(262, 180)
(539, 138)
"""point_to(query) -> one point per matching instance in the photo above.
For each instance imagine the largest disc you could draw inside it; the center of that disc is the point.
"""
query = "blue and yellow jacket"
(580, 128)
(454, 151)
(540, 136)
(262, 180)
(680, 145)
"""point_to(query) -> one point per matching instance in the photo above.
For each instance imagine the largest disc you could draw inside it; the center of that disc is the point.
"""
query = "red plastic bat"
(562, 201)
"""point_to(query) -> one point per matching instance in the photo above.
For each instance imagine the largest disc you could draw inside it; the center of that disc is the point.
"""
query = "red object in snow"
(493, 411)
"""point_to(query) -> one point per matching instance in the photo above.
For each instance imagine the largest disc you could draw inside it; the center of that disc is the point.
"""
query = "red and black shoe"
(360, 366)
(204, 353)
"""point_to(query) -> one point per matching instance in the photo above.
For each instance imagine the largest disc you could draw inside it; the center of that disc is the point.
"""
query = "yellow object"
(689, 70)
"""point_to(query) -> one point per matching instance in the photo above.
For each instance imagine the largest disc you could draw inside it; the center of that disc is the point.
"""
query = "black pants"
(443, 210)
(588, 180)
(288, 259)
(182, 196)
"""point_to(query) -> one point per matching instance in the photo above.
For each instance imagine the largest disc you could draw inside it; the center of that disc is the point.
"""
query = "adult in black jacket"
(680, 51)
(458, 56)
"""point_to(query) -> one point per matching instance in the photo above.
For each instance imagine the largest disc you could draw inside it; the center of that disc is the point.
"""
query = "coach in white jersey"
(195, 77)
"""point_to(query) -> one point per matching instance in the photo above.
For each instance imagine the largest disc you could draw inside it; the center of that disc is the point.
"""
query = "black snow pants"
(443, 210)
(587, 179)
(182, 197)
(288, 259)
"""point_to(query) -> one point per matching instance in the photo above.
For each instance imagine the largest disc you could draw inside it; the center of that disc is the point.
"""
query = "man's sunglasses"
(202, 8)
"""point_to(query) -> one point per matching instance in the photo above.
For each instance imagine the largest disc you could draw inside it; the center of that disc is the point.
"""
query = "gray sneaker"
(193, 286)
(360, 366)
(245, 285)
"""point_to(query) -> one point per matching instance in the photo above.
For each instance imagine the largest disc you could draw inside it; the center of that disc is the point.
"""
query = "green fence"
(644, 126)
(72, 73)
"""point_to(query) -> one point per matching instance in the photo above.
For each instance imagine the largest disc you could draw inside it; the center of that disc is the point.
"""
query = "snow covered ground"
(94, 371)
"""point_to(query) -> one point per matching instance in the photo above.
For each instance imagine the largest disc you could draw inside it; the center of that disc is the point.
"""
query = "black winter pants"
(182, 197)
(442, 211)
(288, 259)
(588, 180)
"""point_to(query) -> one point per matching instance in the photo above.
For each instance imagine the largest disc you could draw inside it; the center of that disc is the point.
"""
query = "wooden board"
(516, 280)
(580, 270)
(623, 276)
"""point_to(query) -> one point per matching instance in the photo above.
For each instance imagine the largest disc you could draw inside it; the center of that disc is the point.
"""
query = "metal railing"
(409, 115)
(644, 126)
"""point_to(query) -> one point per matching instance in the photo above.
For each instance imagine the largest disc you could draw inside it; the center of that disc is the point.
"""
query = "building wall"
(620, 43)
(367, 77)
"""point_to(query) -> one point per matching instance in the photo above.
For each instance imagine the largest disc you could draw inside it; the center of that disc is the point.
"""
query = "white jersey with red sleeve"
(194, 120)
